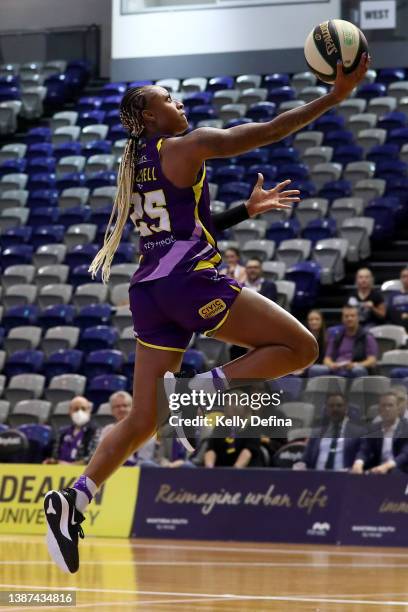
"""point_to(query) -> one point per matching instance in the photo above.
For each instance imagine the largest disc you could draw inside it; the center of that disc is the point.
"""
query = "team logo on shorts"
(212, 308)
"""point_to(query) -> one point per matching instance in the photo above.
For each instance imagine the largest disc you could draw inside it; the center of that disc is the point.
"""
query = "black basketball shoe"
(64, 527)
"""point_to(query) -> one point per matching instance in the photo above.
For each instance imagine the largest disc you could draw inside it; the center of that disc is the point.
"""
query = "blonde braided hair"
(133, 103)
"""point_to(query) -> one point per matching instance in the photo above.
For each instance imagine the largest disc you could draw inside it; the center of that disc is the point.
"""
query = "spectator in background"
(232, 446)
(351, 352)
(369, 301)
(402, 400)
(317, 325)
(385, 447)
(75, 443)
(335, 446)
(231, 265)
(121, 405)
(256, 281)
(398, 309)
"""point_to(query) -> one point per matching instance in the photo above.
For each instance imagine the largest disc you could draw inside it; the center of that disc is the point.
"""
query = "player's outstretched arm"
(207, 143)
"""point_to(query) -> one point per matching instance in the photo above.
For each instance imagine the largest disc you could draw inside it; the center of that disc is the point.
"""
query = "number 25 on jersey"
(152, 208)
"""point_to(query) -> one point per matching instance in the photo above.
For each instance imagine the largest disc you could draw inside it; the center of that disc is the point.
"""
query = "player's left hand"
(260, 200)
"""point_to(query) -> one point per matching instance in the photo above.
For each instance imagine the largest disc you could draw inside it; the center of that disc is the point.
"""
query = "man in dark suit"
(256, 281)
(335, 445)
(385, 447)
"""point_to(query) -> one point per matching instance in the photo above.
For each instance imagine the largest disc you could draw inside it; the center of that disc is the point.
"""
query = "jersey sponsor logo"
(212, 308)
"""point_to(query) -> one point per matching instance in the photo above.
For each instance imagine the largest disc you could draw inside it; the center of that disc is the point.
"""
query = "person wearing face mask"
(74, 443)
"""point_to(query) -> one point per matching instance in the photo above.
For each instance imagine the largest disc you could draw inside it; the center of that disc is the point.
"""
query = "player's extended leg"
(280, 343)
(64, 509)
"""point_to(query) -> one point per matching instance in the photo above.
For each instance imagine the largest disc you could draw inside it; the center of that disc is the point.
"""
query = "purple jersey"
(174, 224)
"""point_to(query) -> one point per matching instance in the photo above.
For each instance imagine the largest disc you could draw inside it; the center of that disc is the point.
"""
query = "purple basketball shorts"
(167, 311)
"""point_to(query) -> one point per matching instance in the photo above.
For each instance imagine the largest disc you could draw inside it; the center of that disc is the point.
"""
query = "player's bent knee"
(308, 350)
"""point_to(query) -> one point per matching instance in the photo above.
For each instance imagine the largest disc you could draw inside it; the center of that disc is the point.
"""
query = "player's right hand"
(345, 83)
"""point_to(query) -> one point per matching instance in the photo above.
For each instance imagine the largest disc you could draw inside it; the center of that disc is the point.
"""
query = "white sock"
(82, 496)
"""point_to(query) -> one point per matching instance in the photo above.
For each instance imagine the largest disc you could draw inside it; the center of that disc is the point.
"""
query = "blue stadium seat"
(371, 90)
(74, 215)
(306, 276)
(10, 81)
(337, 138)
(15, 255)
(234, 122)
(221, 82)
(193, 360)
(384, 220)
(57, 90)
(392, 121)
(335, 189)
(283, 230)
(329, 123)
(113, 89)
(227, 174)
(100, 216)
(261, 111)
(201, 112)
(103, 362)
(256, 156)
(40, 149)
(41, 181)
(269, 173)
(98, 338)
(42, 198)
(38, 134)
(129, 367)
(77, 75)
(64, 361)
(319, 229)
(126, 253)
(101, 388)
(40, 165)
(235, 190)
(91, 118)
(398, 188)
(398, 136)
(95, 314)
(88, 103)
(116, 132)
(80, 275)
(197, 98)
(71, 179)
(16, 236)
(40, 441)
(38, 216)
(104, 178)
(291, 386)
(296, 172)
(48, 234)
(97, 147)
(391, 169)
(390, 75)
(67, 149)
(20, 315)
(385, 152)
(112, 117)
(111, 103)
(281, 94)
(60, 314)
(277, 79)
(13, 166)
(140, 83)
(307, 188)
(9, 93)
(345, 154)
(81, 254)
(283, 155)
(24, 362)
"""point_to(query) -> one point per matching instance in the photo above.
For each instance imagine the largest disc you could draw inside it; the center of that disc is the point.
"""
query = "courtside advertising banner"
(375, 511)
(229, 504)
(23, 486)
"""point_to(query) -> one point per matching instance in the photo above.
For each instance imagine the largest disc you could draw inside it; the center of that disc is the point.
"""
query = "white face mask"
(81, 417)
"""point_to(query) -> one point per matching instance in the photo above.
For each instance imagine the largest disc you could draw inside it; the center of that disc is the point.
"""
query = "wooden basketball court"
(163, 575)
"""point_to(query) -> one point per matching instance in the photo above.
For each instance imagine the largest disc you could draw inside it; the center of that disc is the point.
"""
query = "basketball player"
(177, 290)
